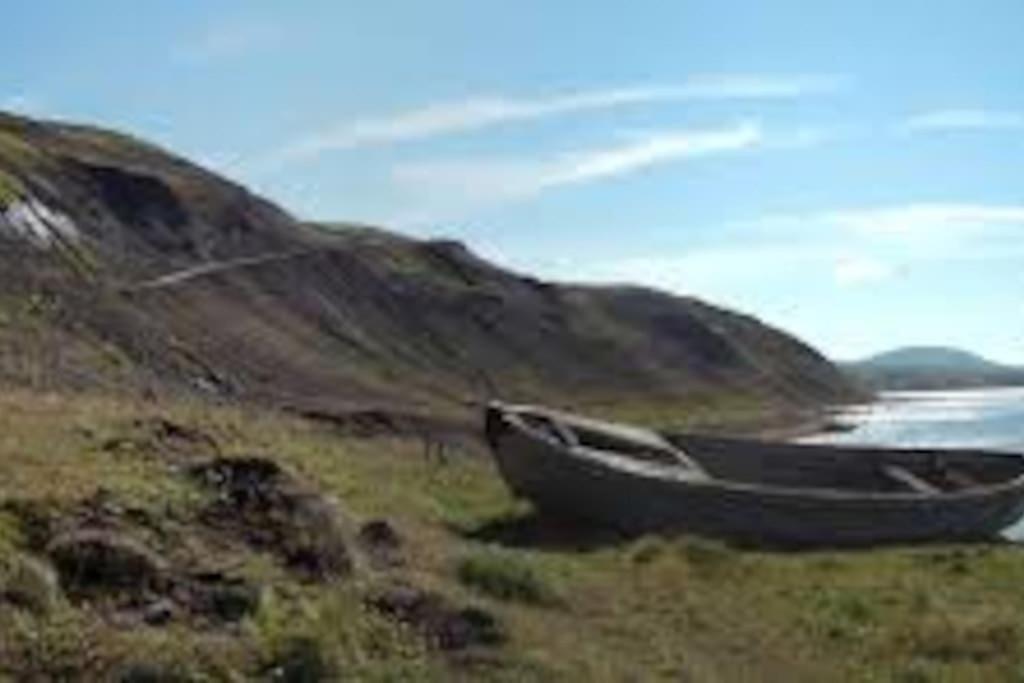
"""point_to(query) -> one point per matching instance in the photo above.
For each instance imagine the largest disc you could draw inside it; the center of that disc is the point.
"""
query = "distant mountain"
(933, 367)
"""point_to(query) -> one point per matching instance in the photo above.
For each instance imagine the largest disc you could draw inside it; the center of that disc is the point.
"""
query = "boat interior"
(849, 468)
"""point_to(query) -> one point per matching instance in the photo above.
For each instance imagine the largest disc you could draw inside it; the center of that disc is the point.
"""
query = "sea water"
(991, 419)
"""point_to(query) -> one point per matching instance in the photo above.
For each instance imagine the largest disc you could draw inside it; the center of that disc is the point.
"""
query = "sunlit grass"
(658, 608)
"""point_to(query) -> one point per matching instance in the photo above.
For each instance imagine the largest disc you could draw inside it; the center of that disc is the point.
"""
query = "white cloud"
(485, 111)
(660, 148)
(925, 219)
(454, 186)
(229, 40)
(700, 268)
(848, 247)
(919, 223)
(964, 119)
(756, 86)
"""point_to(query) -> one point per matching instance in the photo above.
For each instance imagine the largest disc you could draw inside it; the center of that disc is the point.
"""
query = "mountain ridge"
(127, 245)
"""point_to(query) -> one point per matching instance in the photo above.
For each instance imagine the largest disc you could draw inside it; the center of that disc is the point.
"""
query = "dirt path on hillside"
(186, 275)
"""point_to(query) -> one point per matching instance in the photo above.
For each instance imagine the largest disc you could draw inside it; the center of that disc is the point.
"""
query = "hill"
(126, 266)
(933, 367)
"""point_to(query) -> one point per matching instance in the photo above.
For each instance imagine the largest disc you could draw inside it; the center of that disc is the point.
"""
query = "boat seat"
(909, 479)
(951, 477)
(961, 479)
(555, 429)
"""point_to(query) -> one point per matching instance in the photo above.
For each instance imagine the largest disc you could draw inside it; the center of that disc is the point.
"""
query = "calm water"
(988, 418)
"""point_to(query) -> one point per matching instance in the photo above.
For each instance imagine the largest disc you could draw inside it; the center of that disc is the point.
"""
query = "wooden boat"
(768, 493)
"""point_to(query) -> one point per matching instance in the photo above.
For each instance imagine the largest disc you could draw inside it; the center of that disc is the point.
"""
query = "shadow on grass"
(533, 530)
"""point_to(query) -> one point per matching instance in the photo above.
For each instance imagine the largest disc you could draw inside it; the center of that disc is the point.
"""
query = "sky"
(848, 171)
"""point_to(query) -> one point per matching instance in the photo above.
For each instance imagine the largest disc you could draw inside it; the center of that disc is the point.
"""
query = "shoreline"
(782, 426)
(819, 425)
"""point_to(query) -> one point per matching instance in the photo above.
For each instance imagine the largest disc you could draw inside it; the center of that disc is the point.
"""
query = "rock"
(471, 626)
(91, 560)
(28, 583)
(381, 543)
(149, 672)
(300, 660)
(270, 510)
(160, 612)
(443, 625)
(220, 598)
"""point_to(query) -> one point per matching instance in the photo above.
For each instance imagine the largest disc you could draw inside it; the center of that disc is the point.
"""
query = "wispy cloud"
(853, 247)
(964, 119)
(485, 111)
(924, 220)
(446, 187)
(660, 148)
(734, 267)
(911, 222)
(229, 40)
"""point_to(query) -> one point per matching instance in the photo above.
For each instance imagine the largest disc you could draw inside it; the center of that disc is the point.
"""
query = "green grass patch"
(10, 189)
(327, 635)
(15, 149)
(504, 576)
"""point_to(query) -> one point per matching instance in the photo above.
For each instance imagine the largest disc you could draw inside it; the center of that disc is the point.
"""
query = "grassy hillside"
(125, 554)
(185, 281)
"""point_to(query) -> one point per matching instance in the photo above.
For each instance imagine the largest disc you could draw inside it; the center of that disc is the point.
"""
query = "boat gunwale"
(979, 492)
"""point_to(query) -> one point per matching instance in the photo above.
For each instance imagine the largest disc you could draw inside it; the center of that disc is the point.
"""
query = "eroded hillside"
(125, 265)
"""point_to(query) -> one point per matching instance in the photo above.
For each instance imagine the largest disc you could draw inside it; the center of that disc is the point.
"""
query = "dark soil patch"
(363, 423)
(266, 507)
(449, 434)
(217, 596)
(91, 562)
(123, 561)
(300, 660)
(443, 625)
(381, 544)
(164, 437)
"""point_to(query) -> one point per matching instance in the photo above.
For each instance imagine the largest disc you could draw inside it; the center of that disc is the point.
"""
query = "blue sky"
(848, 171)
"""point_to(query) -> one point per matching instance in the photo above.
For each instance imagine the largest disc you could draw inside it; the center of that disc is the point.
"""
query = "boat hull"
(564, 484)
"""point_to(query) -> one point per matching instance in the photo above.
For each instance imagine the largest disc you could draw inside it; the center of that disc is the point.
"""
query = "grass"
(655, 608)
(14, 153)
(10, 189)
(504, 576)
(14, 148)
(706, 411)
